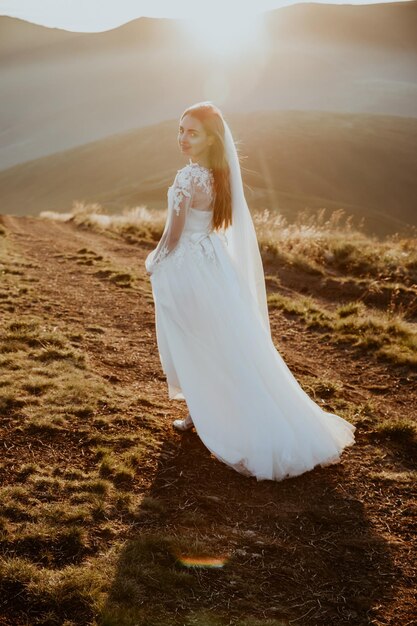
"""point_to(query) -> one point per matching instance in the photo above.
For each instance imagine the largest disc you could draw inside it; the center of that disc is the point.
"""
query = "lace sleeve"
(182, 195)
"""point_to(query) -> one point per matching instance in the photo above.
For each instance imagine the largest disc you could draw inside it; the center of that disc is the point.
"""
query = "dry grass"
(84, 543)
(389, 336)
(60, 511)
(314, 241)
(317, 242)
(138, 224)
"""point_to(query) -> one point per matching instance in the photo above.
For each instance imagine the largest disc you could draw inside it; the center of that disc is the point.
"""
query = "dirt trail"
(125, 352)
(77, 295)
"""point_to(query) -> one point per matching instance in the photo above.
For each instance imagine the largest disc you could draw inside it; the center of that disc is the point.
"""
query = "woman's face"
(192, 138)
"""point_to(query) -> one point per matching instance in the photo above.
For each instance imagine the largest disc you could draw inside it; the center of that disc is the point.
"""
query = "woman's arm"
(177, 212)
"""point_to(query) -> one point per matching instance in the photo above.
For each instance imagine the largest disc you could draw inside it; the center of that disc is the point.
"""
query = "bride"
(212, 323)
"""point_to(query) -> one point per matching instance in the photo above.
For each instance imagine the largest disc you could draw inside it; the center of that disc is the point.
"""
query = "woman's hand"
(148, 266)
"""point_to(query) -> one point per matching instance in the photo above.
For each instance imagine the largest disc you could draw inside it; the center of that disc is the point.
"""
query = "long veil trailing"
(241, 235)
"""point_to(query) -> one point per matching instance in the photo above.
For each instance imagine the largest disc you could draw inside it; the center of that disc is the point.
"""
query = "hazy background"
(322, 98)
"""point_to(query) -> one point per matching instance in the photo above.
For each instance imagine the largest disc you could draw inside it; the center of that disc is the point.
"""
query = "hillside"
(292, 160)
(111, 517)
(61, 90)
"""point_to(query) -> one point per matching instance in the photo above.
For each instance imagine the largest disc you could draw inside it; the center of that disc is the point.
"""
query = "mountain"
(61, 89)
(291, 160)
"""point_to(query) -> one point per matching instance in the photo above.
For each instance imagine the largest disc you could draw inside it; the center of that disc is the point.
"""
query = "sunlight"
(226, 32)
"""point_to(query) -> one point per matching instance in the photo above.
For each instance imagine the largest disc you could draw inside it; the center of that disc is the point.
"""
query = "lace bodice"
(190, 209)
(193, 178)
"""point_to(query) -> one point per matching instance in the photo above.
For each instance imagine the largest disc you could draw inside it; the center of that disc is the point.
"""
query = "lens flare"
(202, 561)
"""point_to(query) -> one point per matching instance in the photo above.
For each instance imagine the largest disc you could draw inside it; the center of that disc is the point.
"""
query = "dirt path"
(337, 538)
(74, 293)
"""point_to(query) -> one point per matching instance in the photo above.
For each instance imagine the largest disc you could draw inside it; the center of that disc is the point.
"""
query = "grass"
(315, 243)
(398, 430)
(103, 268)
(15, 286)
(326, 242)
(50, 517)
(136, 225)
(71, 593)
(122, 279)
(80, 540)
(387, 335)
(60, 512)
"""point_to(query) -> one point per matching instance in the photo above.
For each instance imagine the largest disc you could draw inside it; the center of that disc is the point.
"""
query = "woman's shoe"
(184, 424)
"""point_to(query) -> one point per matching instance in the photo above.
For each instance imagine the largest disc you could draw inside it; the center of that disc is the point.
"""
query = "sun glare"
(225, 32)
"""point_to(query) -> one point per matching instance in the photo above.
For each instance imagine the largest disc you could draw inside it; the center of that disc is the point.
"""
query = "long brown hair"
(211, 118)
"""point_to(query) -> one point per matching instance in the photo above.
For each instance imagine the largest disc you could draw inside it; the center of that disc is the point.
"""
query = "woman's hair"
(212, 120)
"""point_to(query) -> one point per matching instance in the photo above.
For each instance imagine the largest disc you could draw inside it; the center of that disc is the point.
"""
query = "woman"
(212, 322)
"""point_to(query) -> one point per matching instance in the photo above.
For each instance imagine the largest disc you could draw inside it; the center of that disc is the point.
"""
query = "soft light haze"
(100, 15)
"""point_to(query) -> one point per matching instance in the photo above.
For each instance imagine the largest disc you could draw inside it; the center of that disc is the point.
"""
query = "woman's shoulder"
(194, 173)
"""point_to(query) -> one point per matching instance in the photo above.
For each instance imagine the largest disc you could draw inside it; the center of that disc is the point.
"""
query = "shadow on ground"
(212, 547)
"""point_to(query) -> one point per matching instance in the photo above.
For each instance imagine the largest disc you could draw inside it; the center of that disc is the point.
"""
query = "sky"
(101, 15)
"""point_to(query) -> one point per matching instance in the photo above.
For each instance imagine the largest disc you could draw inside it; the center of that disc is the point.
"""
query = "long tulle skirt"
(247, 407)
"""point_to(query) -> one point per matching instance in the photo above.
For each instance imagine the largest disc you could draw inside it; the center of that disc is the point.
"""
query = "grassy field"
(108, 517)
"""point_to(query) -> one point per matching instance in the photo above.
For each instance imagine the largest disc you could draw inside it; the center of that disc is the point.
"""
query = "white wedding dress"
(246, 405)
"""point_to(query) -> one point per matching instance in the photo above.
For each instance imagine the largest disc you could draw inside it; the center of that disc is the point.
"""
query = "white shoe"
(184, 424)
